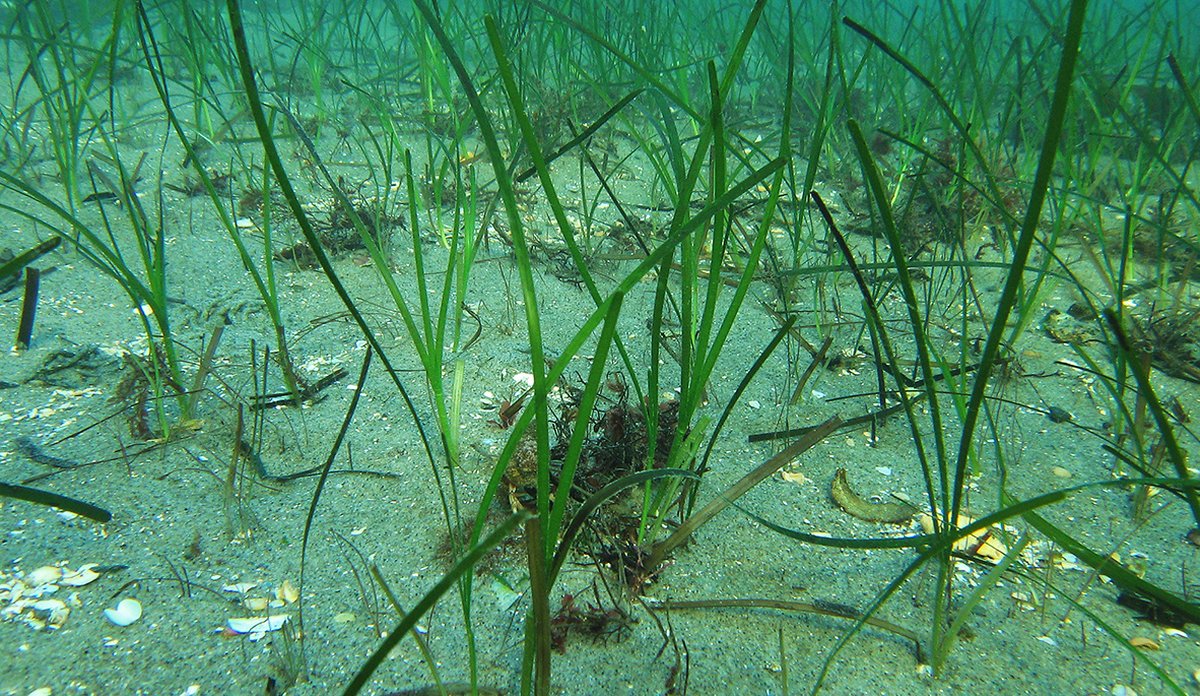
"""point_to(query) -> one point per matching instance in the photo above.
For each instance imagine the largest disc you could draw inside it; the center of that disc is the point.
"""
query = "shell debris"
(257, 626)
(287, 592)
(29, 597)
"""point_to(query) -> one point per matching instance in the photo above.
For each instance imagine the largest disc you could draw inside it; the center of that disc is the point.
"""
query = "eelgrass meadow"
(592, 348)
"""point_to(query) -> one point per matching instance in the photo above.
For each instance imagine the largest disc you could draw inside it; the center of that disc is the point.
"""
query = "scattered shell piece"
(1047, 640)
(793, 477)
(982, 543)
(239, 587)
(1060, 472)
(1144, 643)
(1023, 600)
(78, 578)
(287, 592)
(127, 611)
(55, 611)
(41, 691)
(1122, 690)
(256, 626)
(43, 575)
(256, 603)
(349, 617)
(1175, 632)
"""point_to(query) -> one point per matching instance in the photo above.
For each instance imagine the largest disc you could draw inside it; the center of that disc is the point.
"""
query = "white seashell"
(258, 624)
(78, 578)
(42, 691)
(127, 611)
(43, 575)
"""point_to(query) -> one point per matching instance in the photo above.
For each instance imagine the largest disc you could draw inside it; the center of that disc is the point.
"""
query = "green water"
(339, 288)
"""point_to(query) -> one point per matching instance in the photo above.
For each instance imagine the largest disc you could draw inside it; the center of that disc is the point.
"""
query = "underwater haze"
(415, 347)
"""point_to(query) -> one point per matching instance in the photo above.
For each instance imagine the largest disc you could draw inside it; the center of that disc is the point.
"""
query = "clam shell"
(126, 612)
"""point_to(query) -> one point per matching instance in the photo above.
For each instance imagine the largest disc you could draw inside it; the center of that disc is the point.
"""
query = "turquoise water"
(303, 348)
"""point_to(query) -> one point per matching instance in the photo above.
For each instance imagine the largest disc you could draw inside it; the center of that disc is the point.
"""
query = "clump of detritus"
(619, 446)
(136, 391)
(337, 225)
(592, 620)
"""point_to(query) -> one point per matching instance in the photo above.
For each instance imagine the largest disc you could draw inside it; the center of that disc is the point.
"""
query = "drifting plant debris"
(590, 620)
(1152, 610)
(863, 509)
(138, 391)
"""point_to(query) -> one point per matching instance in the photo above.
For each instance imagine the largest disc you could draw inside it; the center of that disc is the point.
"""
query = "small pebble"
(1060, 472)
(1058, 415)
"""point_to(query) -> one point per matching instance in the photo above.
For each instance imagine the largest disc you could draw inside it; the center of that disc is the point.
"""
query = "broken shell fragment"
(43, 575)
(256, 626)
(54, 611)
(240, 587)
(127, 611)
(81, 577)
(256, 603)
(287, 592)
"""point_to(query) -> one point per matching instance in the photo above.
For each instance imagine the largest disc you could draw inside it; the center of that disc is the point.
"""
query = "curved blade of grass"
(36, 495)
(28, 256)
(985, 585)
(1135, 652)
(461, 568)
(289, 193)
(1120, 575)
(1141, 373)
(880, 335)
(940, 549)
(1029, 227)
(324, 476)
(737, 490)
